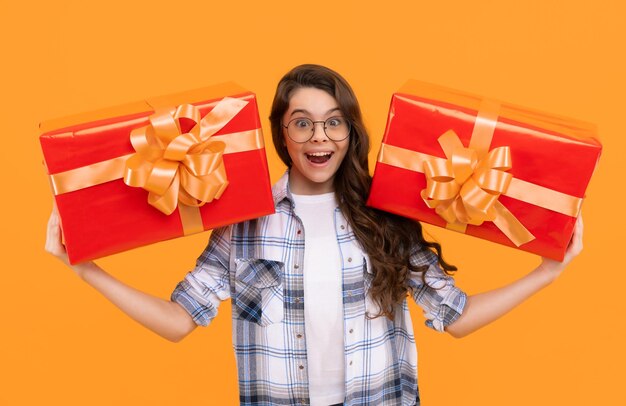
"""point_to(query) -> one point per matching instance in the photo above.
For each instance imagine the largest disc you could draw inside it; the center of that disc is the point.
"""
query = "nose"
(319, 135)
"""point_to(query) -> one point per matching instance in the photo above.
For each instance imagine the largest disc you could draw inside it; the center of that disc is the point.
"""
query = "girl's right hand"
(166, 318)
(54, 242)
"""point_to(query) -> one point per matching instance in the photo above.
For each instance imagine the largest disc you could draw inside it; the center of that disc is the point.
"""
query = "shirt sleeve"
(435, 293)
(204, 288)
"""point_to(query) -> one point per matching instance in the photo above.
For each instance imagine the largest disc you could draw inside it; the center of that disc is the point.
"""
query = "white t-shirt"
(323, 307)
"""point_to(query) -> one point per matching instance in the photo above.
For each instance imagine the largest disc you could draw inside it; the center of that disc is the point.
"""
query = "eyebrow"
(308, 113)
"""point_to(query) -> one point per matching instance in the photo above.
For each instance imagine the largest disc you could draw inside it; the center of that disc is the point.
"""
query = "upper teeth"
(319, 153)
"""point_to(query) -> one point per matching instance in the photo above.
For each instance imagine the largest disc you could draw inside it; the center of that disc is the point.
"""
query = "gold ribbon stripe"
(113, 169)
(90, 175)
(484, 126)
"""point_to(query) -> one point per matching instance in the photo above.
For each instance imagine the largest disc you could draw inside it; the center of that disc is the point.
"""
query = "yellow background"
(62, 343)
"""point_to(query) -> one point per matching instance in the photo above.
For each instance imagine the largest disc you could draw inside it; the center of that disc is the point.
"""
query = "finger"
(54, 214)
(576, 244)
(50, 228)
(52, 233)
(54, 241)
(578, 228)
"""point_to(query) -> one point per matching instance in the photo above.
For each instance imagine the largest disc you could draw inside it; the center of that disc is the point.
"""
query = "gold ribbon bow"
(464, 188)
(176, 166)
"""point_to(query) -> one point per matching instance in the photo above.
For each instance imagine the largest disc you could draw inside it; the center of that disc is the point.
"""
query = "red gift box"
(162, 168)
(489, 169)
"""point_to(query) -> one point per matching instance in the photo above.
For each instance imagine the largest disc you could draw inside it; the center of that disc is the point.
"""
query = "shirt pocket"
(259, 296)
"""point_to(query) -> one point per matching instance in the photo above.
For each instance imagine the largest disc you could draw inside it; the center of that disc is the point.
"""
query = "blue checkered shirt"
(258, 264)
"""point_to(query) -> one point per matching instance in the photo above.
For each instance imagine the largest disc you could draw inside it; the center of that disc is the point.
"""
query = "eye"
(302, 123)
(335, 122)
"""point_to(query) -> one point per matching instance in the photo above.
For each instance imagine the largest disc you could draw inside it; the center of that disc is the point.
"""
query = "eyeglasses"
(301, 129)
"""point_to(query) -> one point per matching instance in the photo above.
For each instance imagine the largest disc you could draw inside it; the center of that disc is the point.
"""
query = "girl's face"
(315, 162)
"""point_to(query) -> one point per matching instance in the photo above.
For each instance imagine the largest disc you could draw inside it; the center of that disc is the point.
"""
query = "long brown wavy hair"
(389, 240)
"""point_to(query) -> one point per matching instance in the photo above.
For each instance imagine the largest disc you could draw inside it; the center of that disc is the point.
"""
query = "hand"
(54, 243)
(555, 268)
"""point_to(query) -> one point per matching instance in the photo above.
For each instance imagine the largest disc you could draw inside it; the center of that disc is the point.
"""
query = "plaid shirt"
(258, 265)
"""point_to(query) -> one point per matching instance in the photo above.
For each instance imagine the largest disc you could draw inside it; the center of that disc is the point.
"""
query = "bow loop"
(207, 161)
(464, 161)
(499, 158)
(177, 149)
(165, 125)
(163, 173)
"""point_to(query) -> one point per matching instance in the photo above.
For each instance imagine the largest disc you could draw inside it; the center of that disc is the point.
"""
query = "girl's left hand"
(555, 268)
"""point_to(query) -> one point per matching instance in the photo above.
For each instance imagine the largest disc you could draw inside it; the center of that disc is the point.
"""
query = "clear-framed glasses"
(301, 129)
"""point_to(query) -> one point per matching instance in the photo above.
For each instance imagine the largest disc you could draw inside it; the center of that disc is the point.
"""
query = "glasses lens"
(337, 128)
(300, 129)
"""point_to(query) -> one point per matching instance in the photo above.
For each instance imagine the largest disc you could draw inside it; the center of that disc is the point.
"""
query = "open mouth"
(319, 157)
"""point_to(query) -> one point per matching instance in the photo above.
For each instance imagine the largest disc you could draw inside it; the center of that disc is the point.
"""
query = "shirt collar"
(280, 190)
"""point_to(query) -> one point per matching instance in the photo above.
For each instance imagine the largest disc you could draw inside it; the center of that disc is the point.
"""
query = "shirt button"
(296, 266)
(298, 335)
(350, 363)
(299, 232)
(351, 331)
(350, 294)
(350, 259)
(301, 366)
(343, 227)
(297, 300)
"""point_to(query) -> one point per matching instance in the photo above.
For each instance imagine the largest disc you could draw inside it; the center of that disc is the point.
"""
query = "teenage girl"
(319, 288)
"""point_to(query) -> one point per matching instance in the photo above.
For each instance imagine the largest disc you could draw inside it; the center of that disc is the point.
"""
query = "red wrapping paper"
(112, 217)
(553, 152)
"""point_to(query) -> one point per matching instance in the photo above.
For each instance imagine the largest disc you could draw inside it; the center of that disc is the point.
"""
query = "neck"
(300, 185)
